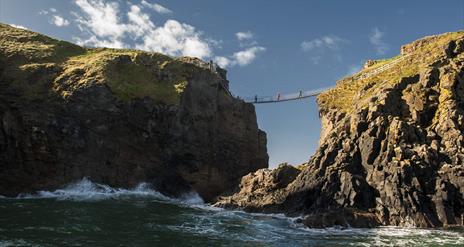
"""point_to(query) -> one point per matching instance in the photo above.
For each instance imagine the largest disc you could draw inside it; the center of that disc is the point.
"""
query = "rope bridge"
(284, 97)
(312, 93)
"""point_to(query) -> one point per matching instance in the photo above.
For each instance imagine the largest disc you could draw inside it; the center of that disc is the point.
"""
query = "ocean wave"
(234, 225)
(86, 190)
(190, 198)
(389, 235)
(15, 242)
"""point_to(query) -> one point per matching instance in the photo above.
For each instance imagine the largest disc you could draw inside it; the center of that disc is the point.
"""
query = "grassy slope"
(65, 67)
(342, 96)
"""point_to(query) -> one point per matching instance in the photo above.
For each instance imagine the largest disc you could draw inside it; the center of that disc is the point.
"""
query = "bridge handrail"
(284, 97)
(311, 93)
(383, 67)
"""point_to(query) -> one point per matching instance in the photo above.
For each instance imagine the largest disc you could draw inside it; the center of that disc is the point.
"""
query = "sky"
(268, 47)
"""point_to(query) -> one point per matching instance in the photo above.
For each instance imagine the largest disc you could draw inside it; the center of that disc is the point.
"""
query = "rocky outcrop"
(260, 188)
(391, 148)
(119, 117)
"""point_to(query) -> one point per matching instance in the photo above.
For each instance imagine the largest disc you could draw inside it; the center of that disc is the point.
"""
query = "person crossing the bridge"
(285, 97)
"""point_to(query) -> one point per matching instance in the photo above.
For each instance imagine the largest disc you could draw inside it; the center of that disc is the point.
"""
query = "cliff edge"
(119, 117)
(391, 148)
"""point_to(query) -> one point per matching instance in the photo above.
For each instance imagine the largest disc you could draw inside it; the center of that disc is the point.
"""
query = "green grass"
(128, 73)
(345, 95)
(22, 46)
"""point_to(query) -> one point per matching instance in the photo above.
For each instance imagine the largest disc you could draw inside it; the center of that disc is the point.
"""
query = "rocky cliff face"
(119, 117)
(391, 149)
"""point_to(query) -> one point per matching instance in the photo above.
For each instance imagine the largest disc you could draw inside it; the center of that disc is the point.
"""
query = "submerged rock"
(119, 117)
(391, 150)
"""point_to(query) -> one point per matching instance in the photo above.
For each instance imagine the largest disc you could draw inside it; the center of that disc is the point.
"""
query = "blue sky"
(267, 46)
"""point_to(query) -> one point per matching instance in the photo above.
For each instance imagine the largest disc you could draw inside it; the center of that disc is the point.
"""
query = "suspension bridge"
(312, 93)
(284, 97)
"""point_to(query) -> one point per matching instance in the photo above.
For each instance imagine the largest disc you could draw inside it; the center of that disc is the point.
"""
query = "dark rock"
(344, 218)
(391, 149)
(119, 117)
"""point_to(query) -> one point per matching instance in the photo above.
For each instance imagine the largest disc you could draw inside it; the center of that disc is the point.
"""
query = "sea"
(90, 214)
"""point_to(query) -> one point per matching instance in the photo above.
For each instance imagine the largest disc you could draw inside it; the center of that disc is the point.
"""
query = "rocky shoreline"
(391, 148)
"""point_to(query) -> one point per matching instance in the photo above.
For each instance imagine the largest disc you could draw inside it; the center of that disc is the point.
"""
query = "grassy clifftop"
(355, 90)
(65, 67)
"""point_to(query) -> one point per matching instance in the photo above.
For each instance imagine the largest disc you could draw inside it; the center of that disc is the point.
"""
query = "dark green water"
(86, 214)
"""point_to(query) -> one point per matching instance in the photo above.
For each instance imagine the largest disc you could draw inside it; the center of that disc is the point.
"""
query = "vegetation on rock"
(344, 96)
(391, 150)
(128, 73)
(119, 117)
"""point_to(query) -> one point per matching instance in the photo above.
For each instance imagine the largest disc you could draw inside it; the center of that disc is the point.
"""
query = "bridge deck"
(312, 93)
(284, 97)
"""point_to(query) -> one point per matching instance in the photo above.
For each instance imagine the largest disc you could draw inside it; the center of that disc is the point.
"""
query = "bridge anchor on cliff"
(312, 93)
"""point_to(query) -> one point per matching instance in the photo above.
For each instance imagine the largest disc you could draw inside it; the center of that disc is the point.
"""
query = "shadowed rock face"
(391, 149)
(118, 117)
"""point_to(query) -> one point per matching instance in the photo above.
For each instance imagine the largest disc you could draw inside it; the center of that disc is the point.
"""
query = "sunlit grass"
(345, 96)
(128, 73)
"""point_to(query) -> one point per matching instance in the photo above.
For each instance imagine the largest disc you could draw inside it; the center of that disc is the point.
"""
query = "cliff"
(119, 117)
(391, 149)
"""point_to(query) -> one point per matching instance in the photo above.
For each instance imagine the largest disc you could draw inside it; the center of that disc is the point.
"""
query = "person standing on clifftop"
(211, 65)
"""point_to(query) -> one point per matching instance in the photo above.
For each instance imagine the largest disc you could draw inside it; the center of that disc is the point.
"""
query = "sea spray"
(86, 190)
(139, 217)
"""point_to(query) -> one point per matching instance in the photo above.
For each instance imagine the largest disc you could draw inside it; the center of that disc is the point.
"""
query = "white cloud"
(175, 39)
(59, 21)
(104, 24)
(246, 39)
(240, 58)
(376, 39)
(56, 19)
(331, 42)
(244, 35)
(247, 56)
(140, 23)
(319, 46)
(157, 7)
(101, 20)
(223, 62)
(46, 12)
(94, 41)
(19, 26)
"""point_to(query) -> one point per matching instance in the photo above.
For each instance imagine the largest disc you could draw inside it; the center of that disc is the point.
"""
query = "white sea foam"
(216, 223)
(86, 190)
(16, 242)
(191, 198)
(391, 236)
